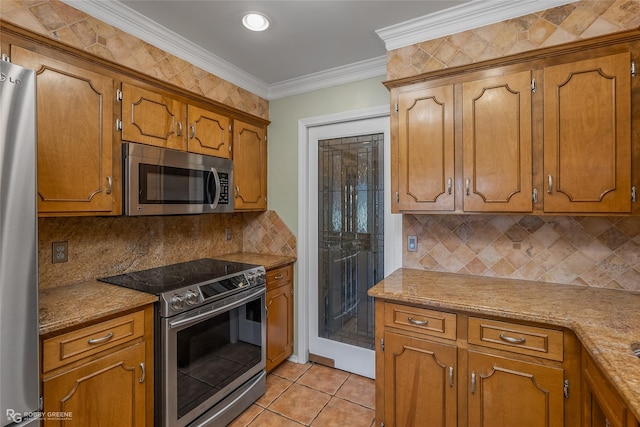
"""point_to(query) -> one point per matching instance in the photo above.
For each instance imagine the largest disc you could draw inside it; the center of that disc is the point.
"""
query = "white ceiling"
(310, 44)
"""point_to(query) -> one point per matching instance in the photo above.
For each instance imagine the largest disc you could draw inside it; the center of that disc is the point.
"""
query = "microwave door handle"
(216, 198)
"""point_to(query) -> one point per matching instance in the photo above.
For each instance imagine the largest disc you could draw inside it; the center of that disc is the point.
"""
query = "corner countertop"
(268, 261)
(606, 321)
(66, 307)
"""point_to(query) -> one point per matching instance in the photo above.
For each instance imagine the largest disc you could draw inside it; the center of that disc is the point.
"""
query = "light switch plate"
(412, 243)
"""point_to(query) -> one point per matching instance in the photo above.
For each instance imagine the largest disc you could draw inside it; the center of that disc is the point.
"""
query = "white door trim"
(393, 230)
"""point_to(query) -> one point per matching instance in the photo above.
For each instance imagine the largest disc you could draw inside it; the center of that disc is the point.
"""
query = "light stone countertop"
(65, 307)
(606, 321)
(70, 306)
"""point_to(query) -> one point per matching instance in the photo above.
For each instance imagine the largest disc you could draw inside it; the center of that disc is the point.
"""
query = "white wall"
(284, 114)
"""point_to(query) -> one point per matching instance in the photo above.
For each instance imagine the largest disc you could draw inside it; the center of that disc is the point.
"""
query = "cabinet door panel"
(75, 135)
(509, 392)
(249, 166)
(418, 387)
(279, 325)
(208, 133)
(104, 393)
(497, 144)
(425, 149)
(152, 118)
(587, 140)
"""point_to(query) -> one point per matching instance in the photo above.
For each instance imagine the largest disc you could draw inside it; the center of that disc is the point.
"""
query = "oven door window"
(212, 354)
(171, 185)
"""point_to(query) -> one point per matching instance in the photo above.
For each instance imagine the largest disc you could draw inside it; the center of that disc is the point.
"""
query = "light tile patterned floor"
(312, 395)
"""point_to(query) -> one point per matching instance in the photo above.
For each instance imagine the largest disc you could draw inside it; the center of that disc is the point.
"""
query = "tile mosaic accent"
(590, 251)
(266, 233)
(68, 25)
(580, 20)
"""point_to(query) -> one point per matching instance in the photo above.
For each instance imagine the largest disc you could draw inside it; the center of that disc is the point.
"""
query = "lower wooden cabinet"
(508, 392)
(601, 405)
(419, 383)
(100, 375)
(279, 304)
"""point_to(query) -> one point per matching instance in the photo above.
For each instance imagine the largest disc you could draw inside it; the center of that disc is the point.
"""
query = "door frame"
(393, 223)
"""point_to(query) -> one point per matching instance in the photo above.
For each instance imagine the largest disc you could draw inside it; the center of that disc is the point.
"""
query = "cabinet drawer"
(529, 340)
(422, 320)
(75, 345)
(279, 276)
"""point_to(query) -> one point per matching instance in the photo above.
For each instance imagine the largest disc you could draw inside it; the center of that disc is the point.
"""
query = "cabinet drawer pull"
(473, 383)
(193, 131)
(278, 277)
(105, 338)
(468, 186)
(417, 322)
(450, 376)
(550, 178)
(144, 373)
(179, 128)
(109, 185)
(449, 186)
(512, 340)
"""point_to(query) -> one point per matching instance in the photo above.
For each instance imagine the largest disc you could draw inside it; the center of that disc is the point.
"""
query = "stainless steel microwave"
(161, 181)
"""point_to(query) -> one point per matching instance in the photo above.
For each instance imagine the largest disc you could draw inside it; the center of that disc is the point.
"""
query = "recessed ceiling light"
(255, 21)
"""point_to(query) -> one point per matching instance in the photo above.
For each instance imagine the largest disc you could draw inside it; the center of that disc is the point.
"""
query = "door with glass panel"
(350, 256)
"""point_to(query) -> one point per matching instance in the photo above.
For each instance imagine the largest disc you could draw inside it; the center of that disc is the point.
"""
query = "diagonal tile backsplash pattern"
(63, 23)
(591, 251)
(580, 20)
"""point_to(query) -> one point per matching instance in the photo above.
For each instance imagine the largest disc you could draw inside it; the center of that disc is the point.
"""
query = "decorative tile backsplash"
(591, 251)
(266, 233)
(580, 20)
(100, 246)
(68, 25)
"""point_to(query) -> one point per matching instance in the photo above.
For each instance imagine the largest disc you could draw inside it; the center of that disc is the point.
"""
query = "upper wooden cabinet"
(548, 131)
(587, 135)
(425, 149)
(496, 122)
(153, 118)
(77, 174)
(249, 166)
(209, 133)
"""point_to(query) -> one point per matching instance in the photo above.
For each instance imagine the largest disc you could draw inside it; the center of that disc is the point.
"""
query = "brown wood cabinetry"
(249, 166)
(425, 131)
(279, 304)
(602, 406)
(587, 137)
(77, 174)
(439, 368)
(209, 133)
(153, 118)
(496, 122)
(548, 131)
(101, 375)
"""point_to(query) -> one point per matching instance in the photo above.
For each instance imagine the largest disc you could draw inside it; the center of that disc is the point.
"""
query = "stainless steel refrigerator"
(19, 370)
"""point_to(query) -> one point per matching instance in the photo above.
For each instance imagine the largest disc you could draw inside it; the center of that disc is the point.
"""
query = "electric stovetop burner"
(177, 276)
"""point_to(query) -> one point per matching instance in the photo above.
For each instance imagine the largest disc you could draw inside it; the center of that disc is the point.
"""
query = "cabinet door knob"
(193, 131)
(179, 128)
(450, 376)
(473, 383)
(449, 185)
(550, 178)
(468, 185)
(109, 185)
(144, 373)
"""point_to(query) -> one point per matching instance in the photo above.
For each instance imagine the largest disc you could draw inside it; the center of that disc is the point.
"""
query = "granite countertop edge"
(70, 306)
(606, 326)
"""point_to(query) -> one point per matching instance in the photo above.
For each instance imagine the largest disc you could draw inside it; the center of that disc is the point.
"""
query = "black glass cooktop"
(175, 276)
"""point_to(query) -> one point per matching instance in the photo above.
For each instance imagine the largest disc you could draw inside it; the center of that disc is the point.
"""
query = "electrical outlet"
(59, 252)
(412, 243)
(227, 234)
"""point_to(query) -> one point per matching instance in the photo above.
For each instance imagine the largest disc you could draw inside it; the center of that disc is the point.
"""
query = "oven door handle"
(202, 316)
(213, 201)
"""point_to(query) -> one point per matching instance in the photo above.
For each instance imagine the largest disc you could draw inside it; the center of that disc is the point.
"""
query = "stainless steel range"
(210, 338)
